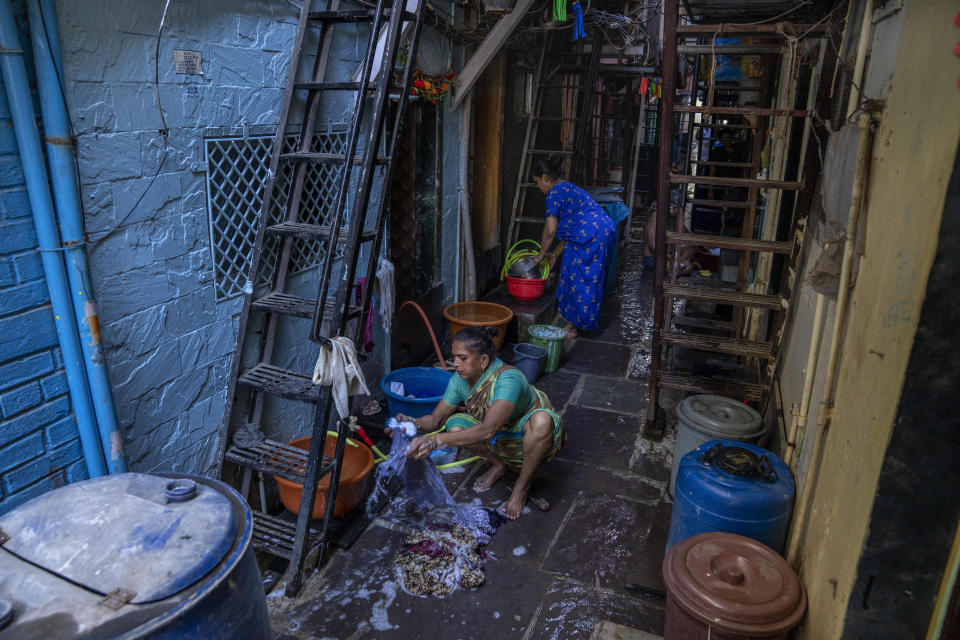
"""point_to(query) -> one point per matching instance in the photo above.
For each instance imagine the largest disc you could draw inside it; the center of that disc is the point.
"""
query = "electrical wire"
(164, 132)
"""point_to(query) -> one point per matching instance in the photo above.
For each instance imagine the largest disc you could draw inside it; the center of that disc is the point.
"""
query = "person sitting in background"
(508, 422)
(686, 253)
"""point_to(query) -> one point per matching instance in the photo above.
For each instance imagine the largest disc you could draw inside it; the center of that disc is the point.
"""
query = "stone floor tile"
(558, 386)
(602, 539)
(622, 396)
(597, 358)
(602, 438)
(572, 610)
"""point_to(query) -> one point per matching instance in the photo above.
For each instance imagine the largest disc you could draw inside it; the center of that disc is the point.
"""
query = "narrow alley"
(479, 320)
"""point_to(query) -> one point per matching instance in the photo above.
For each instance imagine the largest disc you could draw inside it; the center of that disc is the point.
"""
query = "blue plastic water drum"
(735, 487)
(425, 384)
(132, 555)
(618, 212)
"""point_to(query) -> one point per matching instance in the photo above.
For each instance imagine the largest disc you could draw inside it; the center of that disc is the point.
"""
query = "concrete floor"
(553, 574)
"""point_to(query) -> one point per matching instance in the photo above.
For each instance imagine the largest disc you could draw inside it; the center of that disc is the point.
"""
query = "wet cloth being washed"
(588, 234)
(500, 383)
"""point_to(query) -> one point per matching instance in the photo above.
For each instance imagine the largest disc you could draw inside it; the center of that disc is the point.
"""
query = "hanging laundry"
(388, 302)
(337, 367)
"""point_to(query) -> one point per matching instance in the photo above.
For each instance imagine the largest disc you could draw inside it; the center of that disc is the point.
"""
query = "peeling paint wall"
(911, 161)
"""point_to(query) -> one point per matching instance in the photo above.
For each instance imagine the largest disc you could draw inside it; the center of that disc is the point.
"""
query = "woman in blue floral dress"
(586, 235)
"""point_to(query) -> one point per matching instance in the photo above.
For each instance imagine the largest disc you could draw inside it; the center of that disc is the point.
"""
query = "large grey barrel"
(703, 417)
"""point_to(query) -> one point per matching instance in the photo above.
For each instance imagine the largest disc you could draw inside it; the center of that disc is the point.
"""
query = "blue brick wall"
(39, 442)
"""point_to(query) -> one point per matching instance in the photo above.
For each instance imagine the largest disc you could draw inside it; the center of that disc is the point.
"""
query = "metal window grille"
(236, 172)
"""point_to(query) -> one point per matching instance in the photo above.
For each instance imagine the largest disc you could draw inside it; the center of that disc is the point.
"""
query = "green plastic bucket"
(550, 338)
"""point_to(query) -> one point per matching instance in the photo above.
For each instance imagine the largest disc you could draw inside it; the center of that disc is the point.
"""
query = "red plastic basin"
(524, 289)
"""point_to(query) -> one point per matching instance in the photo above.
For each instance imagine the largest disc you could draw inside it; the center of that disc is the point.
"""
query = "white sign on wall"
(186, 61)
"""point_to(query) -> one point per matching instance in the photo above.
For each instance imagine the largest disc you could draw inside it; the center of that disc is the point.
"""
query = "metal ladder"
(574, 163)
(350, 227)
(671, 331)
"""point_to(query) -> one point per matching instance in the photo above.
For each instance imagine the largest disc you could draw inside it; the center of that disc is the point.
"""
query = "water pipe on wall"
(469, 272)
(798, 424)
(66, 194)
(864, 123)
(31, 155)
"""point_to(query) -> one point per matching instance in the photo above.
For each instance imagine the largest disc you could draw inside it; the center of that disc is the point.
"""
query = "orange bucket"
(478, 314)
(357, 463)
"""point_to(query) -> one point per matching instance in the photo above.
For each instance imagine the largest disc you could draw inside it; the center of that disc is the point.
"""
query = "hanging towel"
(338, 368)
(387, 294)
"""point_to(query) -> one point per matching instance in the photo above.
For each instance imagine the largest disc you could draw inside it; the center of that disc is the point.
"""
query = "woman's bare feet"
(571, 330)
(487, 480)
(513, 507)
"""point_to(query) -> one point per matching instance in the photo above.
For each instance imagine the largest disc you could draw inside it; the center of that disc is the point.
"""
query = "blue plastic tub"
(427, 384)
(529, 358)
(736, 487)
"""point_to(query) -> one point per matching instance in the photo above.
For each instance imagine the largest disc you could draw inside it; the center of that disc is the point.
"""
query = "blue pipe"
(31, 155)
(66, 194)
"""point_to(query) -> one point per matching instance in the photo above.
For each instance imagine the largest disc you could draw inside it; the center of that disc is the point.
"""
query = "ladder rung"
(358, 15)
(727, 242)
(280, 382)
(528, 185)
(306, 231)
(326, 158)
(718, 386)
(530, 220)
(720, 203)
(545, 152)
(703, 323)
(720, 296)
(736, 182)
(276, 302)
(742, 111)
(713, 163)
(717, 344)
(787, 28)
(332, 86)
(717, 125)
(274, 458)
(557, 119)
(275, 535)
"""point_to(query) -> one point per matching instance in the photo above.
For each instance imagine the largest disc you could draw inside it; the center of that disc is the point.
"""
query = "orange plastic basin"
(357, 463)
(478, 314)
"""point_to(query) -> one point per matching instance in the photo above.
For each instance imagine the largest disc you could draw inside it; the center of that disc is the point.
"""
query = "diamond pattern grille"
(236, 172)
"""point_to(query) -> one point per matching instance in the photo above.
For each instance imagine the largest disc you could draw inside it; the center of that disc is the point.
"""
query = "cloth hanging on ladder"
(338, 368)
(387, 293)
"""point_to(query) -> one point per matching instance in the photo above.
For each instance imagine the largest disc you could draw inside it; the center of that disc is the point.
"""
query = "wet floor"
(553, 574)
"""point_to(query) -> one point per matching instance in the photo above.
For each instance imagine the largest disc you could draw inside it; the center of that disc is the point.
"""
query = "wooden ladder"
(584, 73)
(676, 331)
(352, 224)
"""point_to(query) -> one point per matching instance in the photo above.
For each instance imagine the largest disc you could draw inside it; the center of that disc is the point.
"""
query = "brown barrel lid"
(734, 583)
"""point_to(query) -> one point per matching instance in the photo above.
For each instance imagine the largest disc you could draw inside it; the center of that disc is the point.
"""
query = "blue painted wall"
(39, 442)
(169, 342)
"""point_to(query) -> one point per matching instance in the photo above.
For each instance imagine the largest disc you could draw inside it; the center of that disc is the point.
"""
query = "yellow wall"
(913, 152)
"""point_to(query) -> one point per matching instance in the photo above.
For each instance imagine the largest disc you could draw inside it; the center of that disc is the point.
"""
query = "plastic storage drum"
(135, 556)
(721, 586)
(702, 418)
(735, 487)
